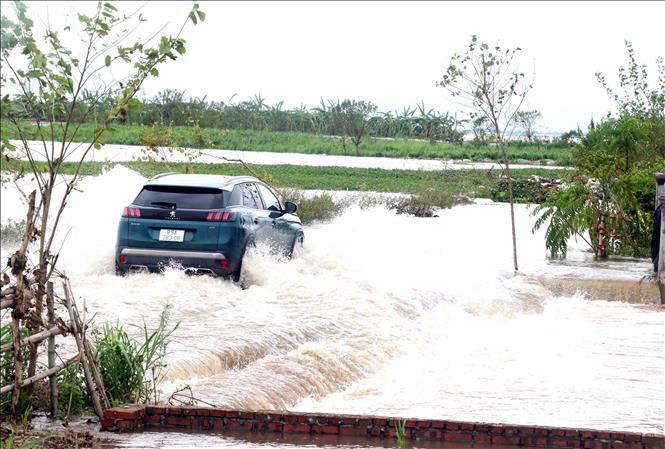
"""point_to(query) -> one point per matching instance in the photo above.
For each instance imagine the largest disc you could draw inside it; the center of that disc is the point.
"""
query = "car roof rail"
(161, 175)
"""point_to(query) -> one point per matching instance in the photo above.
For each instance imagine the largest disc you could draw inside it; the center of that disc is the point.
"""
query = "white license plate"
(171, 235)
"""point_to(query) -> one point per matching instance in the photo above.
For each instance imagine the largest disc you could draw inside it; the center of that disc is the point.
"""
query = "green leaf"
(202, 15)
(192, 16)
(97, 145)
(107, 60)
(154, 71)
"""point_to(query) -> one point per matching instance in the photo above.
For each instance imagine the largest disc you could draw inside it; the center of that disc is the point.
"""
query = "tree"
(355, 116)
(487, 81)
(53, 81)
(527, 121)
(608, 201)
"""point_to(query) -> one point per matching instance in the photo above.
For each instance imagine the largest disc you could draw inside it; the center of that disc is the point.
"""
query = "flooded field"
(392, 315)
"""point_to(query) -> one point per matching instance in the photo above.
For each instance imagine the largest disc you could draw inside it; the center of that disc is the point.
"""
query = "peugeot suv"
(204, 223)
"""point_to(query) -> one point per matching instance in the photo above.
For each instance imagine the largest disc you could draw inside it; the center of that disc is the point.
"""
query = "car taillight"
(224, 263)
(131, 212)
(122, 259)
(218, 215)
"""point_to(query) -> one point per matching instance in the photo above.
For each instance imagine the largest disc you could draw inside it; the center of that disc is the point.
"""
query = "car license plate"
(171, 235)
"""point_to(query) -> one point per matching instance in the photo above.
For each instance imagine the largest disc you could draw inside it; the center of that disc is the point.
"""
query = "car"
(205, 223)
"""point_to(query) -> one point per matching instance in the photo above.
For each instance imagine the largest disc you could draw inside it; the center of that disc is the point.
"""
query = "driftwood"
(42, 375)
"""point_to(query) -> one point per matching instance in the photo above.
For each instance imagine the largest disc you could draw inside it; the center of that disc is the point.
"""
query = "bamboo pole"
(49, 372)
(79, 343)
(35, 338)
(52, 380)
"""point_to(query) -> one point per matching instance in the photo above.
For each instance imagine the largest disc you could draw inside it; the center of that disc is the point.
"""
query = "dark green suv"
(204, 223)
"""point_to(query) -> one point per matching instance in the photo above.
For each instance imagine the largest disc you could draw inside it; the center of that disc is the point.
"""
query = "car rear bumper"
(157, 259)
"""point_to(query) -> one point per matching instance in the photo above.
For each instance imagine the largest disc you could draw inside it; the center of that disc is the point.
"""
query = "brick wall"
(135, 417)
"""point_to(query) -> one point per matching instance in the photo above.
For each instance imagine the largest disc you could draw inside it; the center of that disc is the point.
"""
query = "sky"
(392, 53)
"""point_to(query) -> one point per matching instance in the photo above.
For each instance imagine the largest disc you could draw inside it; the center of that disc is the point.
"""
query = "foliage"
(529, 190)
(312, 208)
(298, 142)
(73, 395)
(7, 371)
(400, 432)
(488, 81)
(610, 196)
(11, 232)
(132, 368)
(527, 121)
(474, 183)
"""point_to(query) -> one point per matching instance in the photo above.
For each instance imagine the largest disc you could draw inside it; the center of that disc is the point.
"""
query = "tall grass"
(132, 368)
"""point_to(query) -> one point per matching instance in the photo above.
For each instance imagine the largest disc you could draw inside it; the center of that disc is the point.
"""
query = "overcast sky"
(392, 53)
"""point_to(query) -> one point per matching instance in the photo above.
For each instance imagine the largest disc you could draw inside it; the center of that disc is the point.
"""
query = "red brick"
(327, 430)
(155, 410)
(174, 411)
(482, 428)
(631, 446)
(541, 442)
(124, 412)
(458, 437)
(237, 424)
(438, 424)
(482, 438)
(497, 429)
(423, 424)
(296, 428)
(410, 423)
(275, 427)
(573, 433)
(541, 431)
(526, 430)
(617, 436)
(452, 426)
(391, 432)
(153, 419)
(376, 431)
(653, 441)
(217, 413)
(125, 424)
(434, 434)
(107, 422)
(633, 438)
(358, 431)
(466, 426)
(603, 435)
(558, 432)
(365, 422)
(246, 415)
(510, 430)
(587, 434)
(347, 421)
(501, 440)
(218, 425)
(379, 422)
(178, 421)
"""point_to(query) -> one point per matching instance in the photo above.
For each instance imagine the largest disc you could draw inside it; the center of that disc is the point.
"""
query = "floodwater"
(124, 153)
(392, 315)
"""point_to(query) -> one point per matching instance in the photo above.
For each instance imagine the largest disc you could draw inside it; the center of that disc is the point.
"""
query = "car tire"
(236, 276)
(297, 245)
(119, 271)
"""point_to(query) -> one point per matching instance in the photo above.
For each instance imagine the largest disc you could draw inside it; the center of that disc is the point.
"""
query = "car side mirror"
(290, 208)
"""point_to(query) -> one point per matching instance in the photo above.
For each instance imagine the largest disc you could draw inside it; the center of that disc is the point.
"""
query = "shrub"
(320, 207)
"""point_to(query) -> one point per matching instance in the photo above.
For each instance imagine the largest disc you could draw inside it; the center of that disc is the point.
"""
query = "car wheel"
(119, 271)
(236, 276)
(297, 246)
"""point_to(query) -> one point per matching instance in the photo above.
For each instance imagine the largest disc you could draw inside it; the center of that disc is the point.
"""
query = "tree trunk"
(510, 198)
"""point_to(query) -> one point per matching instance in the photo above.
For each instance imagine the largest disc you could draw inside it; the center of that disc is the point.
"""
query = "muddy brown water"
(390, 315)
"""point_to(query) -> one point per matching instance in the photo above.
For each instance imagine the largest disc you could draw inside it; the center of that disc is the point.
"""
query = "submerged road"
(126, 153)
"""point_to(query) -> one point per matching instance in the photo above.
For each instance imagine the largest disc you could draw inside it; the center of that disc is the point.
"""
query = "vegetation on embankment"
(473, 183)
(297, 142)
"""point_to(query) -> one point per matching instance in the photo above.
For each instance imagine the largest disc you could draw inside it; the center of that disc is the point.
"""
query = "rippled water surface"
(393, 315)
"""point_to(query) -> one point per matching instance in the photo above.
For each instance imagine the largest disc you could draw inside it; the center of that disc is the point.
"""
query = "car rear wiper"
(164, 204)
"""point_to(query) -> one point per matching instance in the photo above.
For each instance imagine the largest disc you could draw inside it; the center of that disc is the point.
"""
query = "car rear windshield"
(180, 197)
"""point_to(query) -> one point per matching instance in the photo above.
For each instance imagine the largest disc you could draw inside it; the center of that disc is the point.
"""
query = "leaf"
(202, 15)
(107, 60)
(97, 145)
(192, 16)
(154, 71)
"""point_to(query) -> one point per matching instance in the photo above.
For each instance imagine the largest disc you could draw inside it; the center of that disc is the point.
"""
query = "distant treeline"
(172, 108)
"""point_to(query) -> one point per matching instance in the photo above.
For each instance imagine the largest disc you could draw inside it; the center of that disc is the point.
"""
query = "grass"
(291, 142)
(473, 183)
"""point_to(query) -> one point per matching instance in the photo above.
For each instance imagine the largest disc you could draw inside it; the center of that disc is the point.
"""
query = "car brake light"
(131, 212)
(219, 215)
(224, 263)
(122, 259)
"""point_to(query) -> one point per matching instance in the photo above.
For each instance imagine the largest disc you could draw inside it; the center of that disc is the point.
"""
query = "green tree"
(488, 82)
(355, 116)
(52, 81)
(527, 121)
(608, 201)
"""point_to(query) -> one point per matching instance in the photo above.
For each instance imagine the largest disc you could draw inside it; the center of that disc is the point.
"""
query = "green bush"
(320, 207)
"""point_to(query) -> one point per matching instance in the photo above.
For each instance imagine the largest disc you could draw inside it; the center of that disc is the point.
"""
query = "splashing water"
(391, 315)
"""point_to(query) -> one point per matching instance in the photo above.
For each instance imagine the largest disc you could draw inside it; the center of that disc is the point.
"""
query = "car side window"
(269, 199)
(250, 196)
